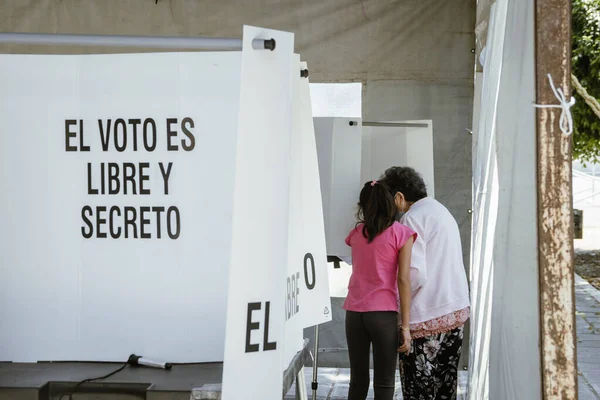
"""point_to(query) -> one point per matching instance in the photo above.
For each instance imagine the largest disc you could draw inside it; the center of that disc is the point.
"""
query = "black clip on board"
(335, 260)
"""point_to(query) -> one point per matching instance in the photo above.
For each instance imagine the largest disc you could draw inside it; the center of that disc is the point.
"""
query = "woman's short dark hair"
(405, 180)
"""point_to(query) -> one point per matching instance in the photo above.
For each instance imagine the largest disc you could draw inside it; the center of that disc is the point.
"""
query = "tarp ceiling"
(342, 40)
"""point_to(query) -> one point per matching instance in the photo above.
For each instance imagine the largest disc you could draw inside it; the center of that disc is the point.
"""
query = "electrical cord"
(91, 380)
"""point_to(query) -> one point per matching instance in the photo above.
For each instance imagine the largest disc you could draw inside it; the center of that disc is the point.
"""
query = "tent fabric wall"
(482, 26)
(515, 356)
(485, 196)
(342, 40)
(505, 358)
(452, 120)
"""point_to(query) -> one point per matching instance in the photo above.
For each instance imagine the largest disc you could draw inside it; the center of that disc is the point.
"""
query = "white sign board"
(307, 300)
(339, 151)
(384, 147)
(117, 180)
(255, 308)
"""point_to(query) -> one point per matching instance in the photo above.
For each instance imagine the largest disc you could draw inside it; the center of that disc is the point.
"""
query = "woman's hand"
(406, 342)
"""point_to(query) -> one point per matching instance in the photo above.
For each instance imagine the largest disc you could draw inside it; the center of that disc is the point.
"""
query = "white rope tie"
(566, 119)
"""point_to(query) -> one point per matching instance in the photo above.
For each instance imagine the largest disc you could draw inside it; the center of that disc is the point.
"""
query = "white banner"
(117, 180)
(255, 309)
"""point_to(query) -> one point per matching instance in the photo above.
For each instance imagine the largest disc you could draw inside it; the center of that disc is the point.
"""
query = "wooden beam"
(555, 216)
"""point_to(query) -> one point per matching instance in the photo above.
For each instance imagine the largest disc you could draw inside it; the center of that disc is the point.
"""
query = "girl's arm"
(405, 292)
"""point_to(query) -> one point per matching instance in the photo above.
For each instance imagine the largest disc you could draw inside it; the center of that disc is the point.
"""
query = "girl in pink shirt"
(380, 282)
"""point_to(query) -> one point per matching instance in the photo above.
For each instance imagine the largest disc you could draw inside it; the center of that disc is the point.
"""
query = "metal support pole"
(301, 386)
(555, 204)
(148, 42)
(315, 381)
(392, 124)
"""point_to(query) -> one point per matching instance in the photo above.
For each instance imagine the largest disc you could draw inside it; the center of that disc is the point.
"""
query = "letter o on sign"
(310, 285)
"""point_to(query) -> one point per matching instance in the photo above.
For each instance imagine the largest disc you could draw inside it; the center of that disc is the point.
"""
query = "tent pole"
(154, 42)
(555, 204)
(391, 124)
(315, 382)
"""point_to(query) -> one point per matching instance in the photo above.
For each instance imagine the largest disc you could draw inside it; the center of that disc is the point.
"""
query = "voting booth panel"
(269, 306)
(294, 274)
(255, 327)
(115, 221)
(339, 152)
(352, 152)
(339, 142)
(307, 301)
(386, 146)
(118, 224)
(309, 220)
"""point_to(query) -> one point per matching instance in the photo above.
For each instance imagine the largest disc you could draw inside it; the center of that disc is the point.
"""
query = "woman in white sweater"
(440, 302)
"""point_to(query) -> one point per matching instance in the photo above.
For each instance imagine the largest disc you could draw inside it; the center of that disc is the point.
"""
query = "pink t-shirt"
(373, 285)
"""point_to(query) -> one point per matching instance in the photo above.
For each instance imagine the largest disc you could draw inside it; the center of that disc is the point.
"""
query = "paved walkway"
(333, 382)
(588, 339)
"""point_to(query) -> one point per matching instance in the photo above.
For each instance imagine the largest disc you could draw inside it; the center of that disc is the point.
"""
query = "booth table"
(50, 380)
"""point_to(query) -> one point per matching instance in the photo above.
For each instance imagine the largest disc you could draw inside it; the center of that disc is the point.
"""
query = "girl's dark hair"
(376, 209)
(405, 180)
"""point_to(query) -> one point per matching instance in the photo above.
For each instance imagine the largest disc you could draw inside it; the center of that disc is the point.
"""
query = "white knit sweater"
(438, 277)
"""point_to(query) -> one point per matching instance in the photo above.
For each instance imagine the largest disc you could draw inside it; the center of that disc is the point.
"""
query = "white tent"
(382, 45)
(514, 266)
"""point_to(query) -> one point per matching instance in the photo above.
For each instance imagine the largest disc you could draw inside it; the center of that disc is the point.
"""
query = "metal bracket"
(264, 44)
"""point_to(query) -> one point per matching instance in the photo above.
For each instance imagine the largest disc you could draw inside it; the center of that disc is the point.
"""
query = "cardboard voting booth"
(164, 204)
(352, 152)
(398, 143)
(339, 151)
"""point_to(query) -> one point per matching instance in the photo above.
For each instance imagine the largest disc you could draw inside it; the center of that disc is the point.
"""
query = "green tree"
(586, 67)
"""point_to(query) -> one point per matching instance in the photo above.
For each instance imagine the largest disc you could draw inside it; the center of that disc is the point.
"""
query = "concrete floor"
(588, 339)
(48, 381)
(334, 384)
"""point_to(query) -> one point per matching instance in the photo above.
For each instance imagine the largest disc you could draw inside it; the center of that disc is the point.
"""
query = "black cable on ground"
(91, 380)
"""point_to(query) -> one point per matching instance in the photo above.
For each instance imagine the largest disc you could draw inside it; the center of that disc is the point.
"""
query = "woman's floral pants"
(430, 370)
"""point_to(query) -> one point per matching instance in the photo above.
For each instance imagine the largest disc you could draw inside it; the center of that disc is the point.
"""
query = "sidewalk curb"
(586, 287)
